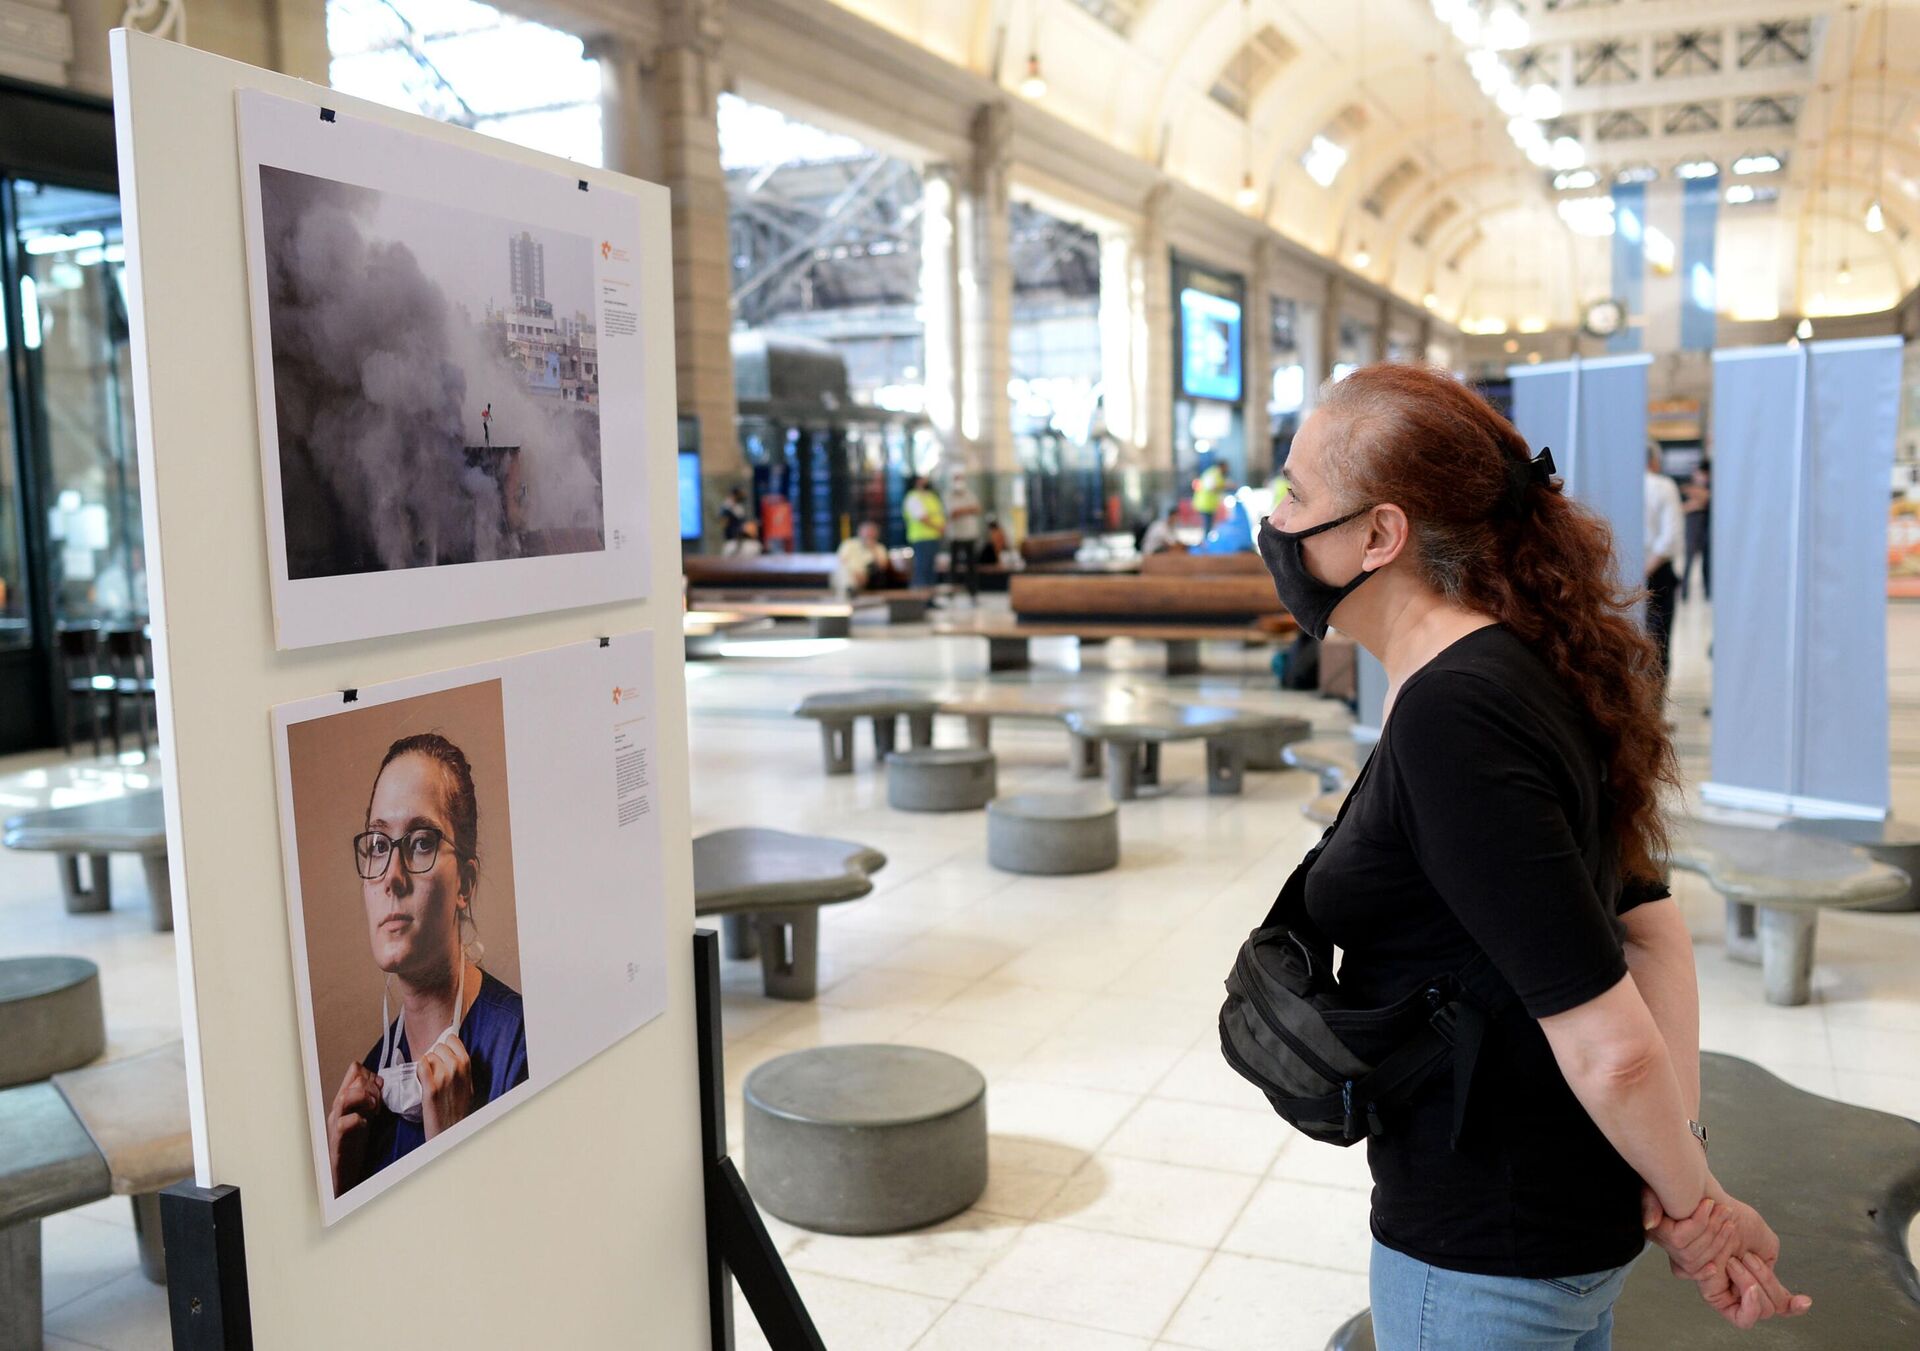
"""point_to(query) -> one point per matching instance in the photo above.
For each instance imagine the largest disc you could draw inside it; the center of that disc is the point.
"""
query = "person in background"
(748, 545)
(1697, 499)
(1160, 537)
(860, 561)
(1208, 491)
(926, 527)
(733, 521)
(993, 549)
(964, 523)
(1663, 535)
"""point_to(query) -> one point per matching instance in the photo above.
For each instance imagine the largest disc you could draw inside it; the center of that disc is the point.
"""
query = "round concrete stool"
(940, 781)
(50, 1017)
(1894, 842)
(866, 1139)
(1053, 833)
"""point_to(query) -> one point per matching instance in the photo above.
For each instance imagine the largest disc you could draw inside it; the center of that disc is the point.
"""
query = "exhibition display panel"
(567, 1206)
(1803, 441)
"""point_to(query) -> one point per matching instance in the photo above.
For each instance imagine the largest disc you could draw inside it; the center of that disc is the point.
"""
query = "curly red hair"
(1490, 539)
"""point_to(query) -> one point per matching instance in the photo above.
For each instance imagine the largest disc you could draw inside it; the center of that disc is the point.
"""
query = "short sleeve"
(1638, 891)
(1482, 811)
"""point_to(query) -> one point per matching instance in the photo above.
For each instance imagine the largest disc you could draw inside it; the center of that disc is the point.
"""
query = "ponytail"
(1496, 536)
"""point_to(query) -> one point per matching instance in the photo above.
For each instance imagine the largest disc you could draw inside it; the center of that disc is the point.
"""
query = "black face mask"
(1308, 599)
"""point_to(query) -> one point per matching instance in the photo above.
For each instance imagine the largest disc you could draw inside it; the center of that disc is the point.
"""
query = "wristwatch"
(1699, 1132)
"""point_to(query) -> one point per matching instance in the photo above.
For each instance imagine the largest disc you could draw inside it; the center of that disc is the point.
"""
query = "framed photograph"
(448, 361)
(473, 889)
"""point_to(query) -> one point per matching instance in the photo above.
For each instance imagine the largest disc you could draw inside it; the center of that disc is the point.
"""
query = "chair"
(129, 661)
(85, 682)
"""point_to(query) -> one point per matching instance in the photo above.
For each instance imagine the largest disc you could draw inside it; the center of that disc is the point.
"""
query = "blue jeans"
(926, 562)
(1418, 1307)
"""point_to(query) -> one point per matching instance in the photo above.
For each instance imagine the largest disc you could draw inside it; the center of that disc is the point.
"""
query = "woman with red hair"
(1511, 809)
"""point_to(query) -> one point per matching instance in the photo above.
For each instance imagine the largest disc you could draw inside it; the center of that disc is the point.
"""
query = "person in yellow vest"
(1208, 490)
(926, 526)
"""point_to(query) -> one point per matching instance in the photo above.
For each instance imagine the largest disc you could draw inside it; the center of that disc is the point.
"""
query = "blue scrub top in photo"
(494, 1031)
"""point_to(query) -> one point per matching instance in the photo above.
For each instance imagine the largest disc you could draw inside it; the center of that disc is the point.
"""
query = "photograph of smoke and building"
(435, 380)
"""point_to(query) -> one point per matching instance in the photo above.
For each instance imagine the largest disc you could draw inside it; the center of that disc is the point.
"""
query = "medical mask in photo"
(400, 1083)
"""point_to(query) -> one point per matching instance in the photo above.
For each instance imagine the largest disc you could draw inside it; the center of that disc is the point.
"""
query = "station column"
(660, 122)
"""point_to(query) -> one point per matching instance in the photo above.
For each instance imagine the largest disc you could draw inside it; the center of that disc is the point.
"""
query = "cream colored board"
(576, 1221)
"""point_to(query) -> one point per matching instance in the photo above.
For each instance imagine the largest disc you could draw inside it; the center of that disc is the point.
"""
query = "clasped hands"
(1726, 1249)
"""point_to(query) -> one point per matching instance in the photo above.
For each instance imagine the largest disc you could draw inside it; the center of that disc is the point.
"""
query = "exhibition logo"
(608, 253)
(627, 695)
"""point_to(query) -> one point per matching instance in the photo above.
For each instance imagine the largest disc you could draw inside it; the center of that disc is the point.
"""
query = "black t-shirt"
(1477, 826)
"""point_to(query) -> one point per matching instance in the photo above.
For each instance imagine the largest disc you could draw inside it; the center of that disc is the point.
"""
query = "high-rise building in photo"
(527, 262)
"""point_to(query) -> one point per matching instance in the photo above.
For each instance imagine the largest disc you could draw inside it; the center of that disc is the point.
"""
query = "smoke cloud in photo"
(428, 412)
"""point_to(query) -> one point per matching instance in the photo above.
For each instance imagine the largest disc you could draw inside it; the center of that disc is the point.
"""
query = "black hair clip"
(1523, 475)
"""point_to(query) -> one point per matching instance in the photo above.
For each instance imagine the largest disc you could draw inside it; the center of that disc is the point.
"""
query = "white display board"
(576, 1219)
(549, 907)
(447, 357)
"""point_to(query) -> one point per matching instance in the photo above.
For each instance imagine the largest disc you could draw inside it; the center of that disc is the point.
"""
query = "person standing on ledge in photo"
(1665, 534)
(926, 526)
(963, 534)
(1511, 809)
(418, 875)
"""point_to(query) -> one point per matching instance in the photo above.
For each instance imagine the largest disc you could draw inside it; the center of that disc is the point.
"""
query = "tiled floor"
(1140, 1195)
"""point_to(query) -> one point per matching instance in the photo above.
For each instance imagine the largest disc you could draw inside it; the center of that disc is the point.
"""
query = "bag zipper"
(1306, 1053)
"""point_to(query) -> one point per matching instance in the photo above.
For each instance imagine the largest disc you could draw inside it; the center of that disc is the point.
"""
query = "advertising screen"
(689, 494)
(1210, 346)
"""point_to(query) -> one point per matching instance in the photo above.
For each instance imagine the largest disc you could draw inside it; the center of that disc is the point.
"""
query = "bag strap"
(1278, 912)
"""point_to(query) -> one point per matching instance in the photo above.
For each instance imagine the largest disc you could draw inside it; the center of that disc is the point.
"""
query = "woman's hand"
(446, 1086)
(1729, 1251)
(353, 1109)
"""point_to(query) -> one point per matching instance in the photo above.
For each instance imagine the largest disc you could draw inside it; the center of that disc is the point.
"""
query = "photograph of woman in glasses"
(453, 1036)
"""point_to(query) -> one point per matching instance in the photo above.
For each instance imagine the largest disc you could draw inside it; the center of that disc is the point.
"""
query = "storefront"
(71, 557)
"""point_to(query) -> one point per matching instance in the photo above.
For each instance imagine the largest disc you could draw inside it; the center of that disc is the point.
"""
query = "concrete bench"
(826, 615)
(704, 630)
(1336, 760)
(768, 886)
(51, 1018)
(1839, 1184)
(1053, 834)
(929, 780)
(1892, 842)
(837, 712)
(118, 1129)
(1009, 639)
(866, 1139)
(1775, 884)
(1133, 738)
(762, 572)
(134, 824)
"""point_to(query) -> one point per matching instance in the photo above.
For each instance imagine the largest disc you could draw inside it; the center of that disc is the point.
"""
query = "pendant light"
(1248, 196)
(1033, 84)
(1876, 218)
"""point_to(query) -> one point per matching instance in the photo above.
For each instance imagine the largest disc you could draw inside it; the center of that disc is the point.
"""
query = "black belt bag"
(1336, 1073)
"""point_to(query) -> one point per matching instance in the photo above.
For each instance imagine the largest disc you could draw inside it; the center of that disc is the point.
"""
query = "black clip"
(606, 642)
(583, 185)
(326, 114)
(349, 696)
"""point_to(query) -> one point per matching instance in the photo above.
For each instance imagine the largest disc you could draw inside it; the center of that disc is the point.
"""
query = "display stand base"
(738, 1245)
(207, 1304)
(207, 1256)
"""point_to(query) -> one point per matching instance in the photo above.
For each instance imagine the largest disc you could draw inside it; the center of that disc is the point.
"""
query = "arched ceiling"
(1642, 83)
